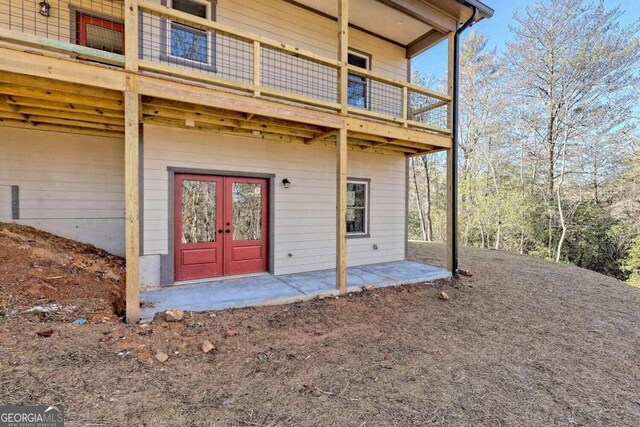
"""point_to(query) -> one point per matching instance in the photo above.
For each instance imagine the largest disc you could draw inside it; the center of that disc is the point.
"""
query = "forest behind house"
(549, 142)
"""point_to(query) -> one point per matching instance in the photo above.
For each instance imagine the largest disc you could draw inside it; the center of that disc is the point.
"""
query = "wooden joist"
(64, 106)
(59, 86)
(59, 128)
(321, 137)
(59, 96)
(74, 123)
(77, 116)
(162, 121)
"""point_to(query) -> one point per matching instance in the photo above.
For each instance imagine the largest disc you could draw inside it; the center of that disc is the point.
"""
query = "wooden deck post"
(341, 211)
(452, 211)
(132, 164)
(341, 150)
(132, 203)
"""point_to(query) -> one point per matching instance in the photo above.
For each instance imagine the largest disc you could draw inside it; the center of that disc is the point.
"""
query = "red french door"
(220, 226)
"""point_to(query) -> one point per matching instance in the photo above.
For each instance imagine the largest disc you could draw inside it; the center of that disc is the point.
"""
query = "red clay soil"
(47, 277)
(522, 342)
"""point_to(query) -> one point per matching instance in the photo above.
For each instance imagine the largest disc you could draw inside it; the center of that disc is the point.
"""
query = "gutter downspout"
(454, 137)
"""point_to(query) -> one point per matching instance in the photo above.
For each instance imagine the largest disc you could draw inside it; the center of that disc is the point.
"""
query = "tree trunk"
(558, 189)
(419, 200)
(551, 148)
(427, 216)
(562, 224)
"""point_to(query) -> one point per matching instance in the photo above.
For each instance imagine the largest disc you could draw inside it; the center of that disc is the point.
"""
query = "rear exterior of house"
(205, 139)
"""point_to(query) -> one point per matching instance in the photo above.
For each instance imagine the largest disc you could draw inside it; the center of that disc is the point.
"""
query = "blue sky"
(497, 29)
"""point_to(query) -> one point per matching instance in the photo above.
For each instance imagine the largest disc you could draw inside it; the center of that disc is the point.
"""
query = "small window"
(357, 207)
(357, 85)
(99, 33)
(188, 43)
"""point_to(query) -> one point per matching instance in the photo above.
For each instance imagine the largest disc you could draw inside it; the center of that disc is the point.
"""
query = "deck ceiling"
(44, 104)
(381, 19)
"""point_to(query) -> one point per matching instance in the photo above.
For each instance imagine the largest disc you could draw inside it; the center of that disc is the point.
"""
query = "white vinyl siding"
(70, 185)
(304, 213)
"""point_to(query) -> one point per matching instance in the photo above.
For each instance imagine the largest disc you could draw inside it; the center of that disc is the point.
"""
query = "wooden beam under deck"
(55, 88)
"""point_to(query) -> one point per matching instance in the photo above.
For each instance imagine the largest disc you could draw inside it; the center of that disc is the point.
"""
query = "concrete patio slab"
(283, 289)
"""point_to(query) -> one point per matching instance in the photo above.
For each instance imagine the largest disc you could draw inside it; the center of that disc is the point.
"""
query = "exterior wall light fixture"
(44, 8)
(286, 183)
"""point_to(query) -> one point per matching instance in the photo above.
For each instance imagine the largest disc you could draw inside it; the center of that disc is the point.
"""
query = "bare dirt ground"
(521, 342)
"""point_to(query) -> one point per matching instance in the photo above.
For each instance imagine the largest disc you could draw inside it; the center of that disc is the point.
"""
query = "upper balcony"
(213, 43)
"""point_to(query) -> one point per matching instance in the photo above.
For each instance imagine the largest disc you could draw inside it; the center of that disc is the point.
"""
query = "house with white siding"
(204, 139)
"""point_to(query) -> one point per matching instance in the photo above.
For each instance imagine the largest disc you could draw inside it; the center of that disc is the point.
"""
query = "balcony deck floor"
(283, 289)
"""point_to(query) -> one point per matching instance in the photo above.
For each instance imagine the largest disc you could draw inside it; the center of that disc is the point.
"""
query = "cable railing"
(191, 46)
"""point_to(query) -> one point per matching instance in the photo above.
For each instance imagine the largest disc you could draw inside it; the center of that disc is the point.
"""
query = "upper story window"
(357, 85)
(99, 33)
(189, 45)
(357, 207)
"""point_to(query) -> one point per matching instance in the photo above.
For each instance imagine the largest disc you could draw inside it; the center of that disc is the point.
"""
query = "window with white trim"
(357, 207)
(188, 43)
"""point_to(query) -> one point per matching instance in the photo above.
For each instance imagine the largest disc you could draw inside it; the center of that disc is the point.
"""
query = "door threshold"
(219, 279)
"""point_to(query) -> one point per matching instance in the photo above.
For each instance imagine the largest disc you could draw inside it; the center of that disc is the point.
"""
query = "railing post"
(257, 80)
(343, 54)
(450, 71)
(405, 105)
(131, 35)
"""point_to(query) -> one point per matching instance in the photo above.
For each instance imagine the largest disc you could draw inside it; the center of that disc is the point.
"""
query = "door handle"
(220, 231)
(227, 231)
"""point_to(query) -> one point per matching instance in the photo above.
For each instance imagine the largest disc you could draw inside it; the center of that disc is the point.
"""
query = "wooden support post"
(131, 35)
(341, 211)
(343, 55)
(132, 163)
(450, 71)
(132, 202)
(257, 79)
(452, 232)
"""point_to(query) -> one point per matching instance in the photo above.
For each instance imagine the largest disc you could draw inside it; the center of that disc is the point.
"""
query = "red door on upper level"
(220, 226)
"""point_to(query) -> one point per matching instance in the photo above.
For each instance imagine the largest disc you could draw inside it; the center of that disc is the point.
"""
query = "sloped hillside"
(45, 277)
(521, 342)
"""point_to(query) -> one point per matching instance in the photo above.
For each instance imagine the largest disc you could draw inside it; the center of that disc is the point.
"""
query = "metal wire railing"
(296, 74)
(93, 24)
(195, 47)
(187, 45)
(377, 96)
(428, 109)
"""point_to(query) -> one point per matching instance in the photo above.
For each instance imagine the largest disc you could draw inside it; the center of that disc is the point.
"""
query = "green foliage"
(591, 241)
(631, 265)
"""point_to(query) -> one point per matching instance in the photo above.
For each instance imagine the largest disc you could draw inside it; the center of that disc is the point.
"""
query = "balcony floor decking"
(283, 289)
